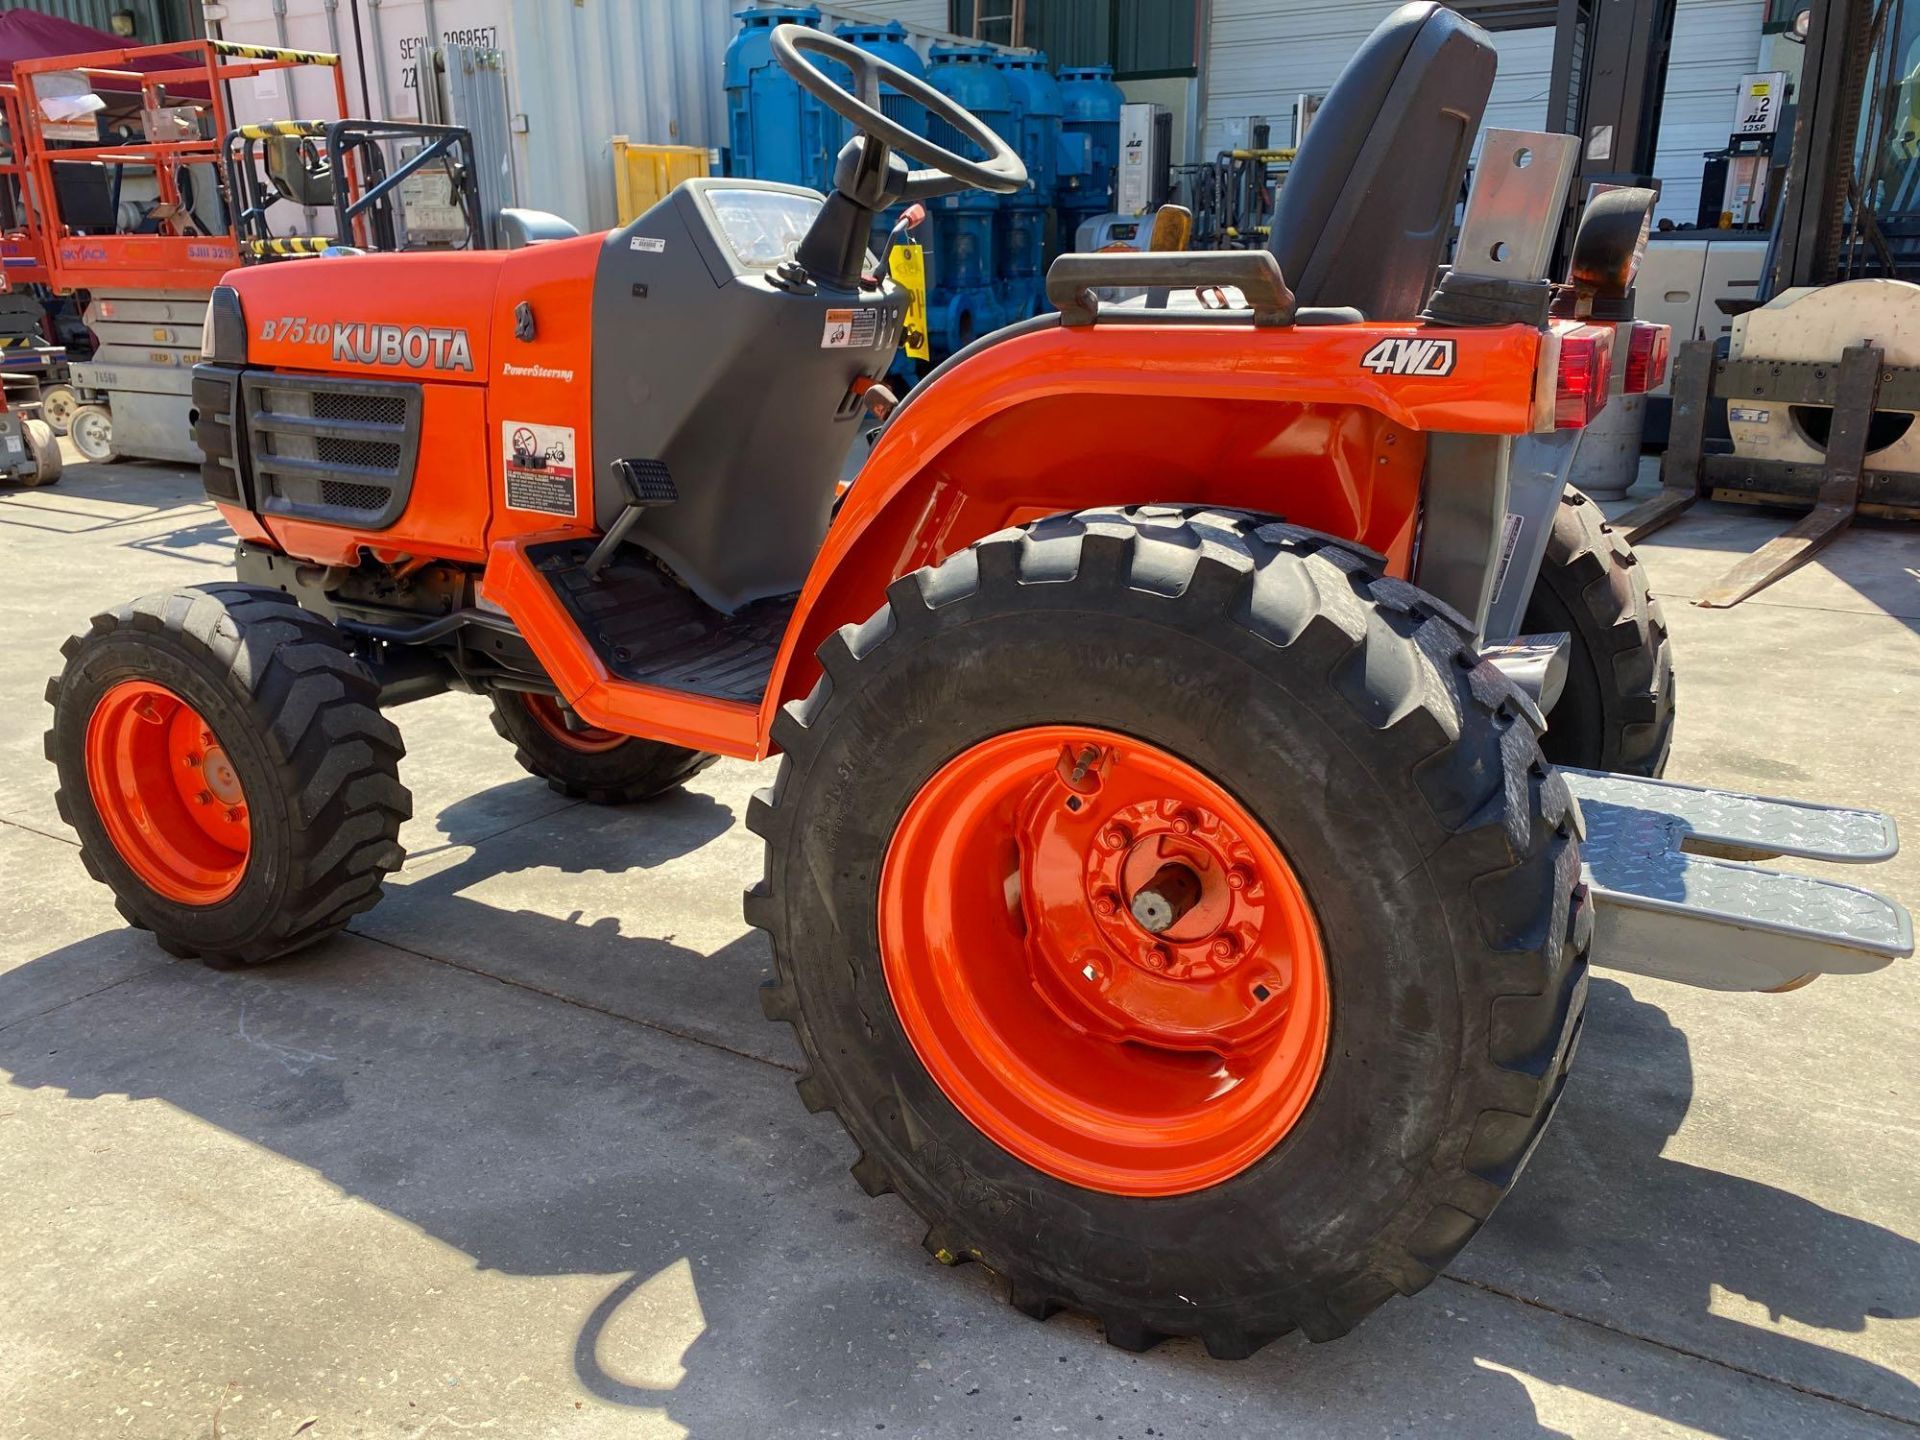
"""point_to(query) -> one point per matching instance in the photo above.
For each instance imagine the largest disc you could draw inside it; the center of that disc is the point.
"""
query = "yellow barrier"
(643, 174)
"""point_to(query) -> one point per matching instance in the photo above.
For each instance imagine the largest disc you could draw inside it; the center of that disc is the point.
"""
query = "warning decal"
(851, 330)
(909, 266)
(539, 467)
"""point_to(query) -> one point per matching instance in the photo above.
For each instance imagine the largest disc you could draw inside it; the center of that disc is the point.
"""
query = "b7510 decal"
(1409, 356)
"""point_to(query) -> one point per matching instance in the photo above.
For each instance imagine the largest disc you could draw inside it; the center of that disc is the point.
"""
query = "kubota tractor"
(1163, 876)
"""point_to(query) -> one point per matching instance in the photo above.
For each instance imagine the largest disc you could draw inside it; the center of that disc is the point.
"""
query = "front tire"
(1616, 712)
(44, 448)
(1286, 694)
(57, 404)
(586, 763)
(223, 760)
(90, 427)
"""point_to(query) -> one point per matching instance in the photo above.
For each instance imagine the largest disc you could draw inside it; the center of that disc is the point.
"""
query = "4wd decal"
(1411, 356)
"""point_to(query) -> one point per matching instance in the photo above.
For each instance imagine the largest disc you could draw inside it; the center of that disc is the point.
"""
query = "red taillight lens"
(1646, 357)
(1580, 388)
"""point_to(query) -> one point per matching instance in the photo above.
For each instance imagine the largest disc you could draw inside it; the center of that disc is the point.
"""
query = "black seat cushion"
(1365, 211)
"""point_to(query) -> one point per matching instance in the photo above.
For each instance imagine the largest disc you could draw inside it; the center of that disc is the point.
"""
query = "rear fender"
(1309, 424)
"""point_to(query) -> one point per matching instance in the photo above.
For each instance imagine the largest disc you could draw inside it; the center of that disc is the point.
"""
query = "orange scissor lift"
(146, 289)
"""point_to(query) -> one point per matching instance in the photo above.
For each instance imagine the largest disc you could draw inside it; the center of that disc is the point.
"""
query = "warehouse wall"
(154, 21)
(926, 14)
(1263, 53)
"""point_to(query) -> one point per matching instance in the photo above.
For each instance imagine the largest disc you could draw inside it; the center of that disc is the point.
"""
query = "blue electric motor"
(889, 42)
(1089, 147)
(961, 299)
(1020, 239)
(776, 130)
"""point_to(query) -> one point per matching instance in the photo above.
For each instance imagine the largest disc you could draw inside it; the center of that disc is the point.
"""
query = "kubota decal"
(417, 346)
(1411, 356)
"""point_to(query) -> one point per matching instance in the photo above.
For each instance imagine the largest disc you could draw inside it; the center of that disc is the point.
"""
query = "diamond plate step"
(1675, 897)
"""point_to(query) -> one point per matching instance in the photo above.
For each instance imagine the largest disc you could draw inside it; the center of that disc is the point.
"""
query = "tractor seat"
(1364, 215)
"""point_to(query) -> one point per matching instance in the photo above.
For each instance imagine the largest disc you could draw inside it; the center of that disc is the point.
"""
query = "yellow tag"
(908, 266)
(1760, 87)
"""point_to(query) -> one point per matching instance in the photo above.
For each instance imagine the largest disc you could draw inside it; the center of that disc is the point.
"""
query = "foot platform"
(1676, 895)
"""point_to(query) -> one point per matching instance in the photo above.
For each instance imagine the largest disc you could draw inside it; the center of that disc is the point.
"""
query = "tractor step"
(649, 629)
(1676, 897)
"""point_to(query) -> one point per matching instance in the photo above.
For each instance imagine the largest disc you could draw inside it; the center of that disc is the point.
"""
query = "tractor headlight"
(223, 335)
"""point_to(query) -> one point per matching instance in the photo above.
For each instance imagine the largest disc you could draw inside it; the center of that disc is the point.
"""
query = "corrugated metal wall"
(580, 73)
(926, 14)
(1263, 53)
(154, 20)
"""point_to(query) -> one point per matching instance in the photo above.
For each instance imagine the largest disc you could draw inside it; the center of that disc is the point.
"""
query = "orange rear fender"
(1323, 426)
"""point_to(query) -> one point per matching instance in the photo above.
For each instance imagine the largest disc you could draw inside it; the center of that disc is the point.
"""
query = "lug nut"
(234, 812)
(1116, 837)
(205, 797)
(1239, 877)
(1107, 904)
(1183, 822)
(193, 759)
(1224, 947)
(1158, 957)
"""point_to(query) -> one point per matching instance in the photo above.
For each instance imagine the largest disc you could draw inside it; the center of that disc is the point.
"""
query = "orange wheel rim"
(1104, 961)
(167, 793)
(588, 739)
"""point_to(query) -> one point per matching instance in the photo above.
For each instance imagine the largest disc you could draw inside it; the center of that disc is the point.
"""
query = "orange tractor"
(1163, 874)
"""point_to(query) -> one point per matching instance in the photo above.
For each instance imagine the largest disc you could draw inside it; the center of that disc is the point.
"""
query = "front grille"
(379, 454)
(335, 450)
(348, 496)
(359, 409)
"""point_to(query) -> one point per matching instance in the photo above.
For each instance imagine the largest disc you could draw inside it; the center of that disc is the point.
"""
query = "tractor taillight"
(1580, 388)
(1646, 357)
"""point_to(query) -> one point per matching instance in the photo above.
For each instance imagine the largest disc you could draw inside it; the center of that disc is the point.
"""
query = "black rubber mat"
(652, 630)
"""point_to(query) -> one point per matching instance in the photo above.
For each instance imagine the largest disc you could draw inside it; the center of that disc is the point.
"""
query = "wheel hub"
(1104, 960)
(167, 793)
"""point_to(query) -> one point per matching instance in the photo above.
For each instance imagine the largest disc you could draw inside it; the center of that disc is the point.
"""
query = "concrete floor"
(519, 1157)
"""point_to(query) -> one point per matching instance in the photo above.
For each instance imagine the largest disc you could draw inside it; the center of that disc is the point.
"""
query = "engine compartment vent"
(334, 450)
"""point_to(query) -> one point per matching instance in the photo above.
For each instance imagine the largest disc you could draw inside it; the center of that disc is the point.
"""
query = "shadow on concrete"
(540, 1141)
(1607, 1227)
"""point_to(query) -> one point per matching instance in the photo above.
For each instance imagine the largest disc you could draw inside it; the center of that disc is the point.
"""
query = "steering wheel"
(1002, 171)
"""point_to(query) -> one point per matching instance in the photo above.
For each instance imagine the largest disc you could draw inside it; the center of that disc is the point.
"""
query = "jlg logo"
(1409, 357)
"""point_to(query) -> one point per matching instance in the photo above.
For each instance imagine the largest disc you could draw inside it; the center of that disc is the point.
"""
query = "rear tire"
(308, 760)
(588, 764)
(1400, 776)
(44, 447)
(1617, 710)
(91, 429)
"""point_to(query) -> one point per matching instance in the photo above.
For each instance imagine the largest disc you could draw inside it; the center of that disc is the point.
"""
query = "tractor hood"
(419, 317)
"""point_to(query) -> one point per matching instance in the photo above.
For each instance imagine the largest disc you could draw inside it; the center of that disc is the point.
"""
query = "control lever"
(648, 484)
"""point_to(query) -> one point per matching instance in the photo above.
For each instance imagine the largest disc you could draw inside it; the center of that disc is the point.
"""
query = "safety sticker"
(539, 466)
(1741, 415)
(908, 265)
(851, 330)
(647, 244)
(1509, 542)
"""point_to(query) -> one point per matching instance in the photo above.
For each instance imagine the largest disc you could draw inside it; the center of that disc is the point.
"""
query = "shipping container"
(578, 74)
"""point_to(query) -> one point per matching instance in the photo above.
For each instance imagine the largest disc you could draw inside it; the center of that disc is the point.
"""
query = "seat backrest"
(1364, 214)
